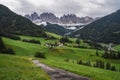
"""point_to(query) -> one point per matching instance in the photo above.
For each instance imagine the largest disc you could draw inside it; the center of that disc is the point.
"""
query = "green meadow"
(19, 68)
(56, 57)
(117, 47)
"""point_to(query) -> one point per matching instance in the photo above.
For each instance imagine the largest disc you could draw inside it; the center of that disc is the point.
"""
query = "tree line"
(97, 64)
(11, 36)
(5, 50)
(32, 41)
(111, 54)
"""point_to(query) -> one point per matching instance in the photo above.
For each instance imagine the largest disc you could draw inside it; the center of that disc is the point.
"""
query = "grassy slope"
(55, 57)
(54, 35)
(117, 47)
(93, 73)
(19, 68)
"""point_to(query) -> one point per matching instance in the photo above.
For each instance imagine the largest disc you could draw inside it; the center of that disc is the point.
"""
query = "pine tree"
(108, 66)
(94, 65)
(113, 68)
(1, 44)
(101, 64)
(118, 55)
(88, 63)
(77, 41)
(106, 55)
(97, 53)
(80, 62)
(97, 63)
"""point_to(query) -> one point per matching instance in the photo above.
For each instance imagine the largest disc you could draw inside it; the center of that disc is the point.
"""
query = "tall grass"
(19, 68)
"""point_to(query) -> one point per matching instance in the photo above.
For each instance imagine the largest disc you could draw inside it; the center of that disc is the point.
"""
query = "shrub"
(2, 46)
(113, 68)
(50, 38)
(67, 60)
(97, 53)
(111, 55)
(65, 39)
(8, 51)
(5, 50)
(108, 66)
(80, 62)
(94, 45)
(11, 36)
(78, 41)
(40, 55)
(32, 41)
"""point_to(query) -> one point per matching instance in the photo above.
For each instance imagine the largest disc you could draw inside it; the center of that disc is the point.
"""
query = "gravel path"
(58, 74)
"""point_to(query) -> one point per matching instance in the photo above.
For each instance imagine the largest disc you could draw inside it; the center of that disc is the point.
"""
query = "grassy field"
(93, 73)
(117, 47)
(54, 35)
(19, 68)
(56, 57)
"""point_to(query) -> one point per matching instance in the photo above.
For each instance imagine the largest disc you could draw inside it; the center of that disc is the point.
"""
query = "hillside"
(57, 29)
(66, 57)
(106, 29)
(79, 56)
(20, 68)
(11, 23)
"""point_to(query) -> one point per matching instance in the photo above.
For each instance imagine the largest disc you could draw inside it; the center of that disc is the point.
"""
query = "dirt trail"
(58, 74)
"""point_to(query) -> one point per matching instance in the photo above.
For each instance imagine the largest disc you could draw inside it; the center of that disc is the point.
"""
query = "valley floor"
(54, 57)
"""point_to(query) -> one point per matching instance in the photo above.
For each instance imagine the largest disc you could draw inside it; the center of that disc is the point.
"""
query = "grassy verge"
(117, 47)
(19, 68)
(93, 73)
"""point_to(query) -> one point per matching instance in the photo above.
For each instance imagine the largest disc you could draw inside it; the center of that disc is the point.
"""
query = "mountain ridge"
(11, 23)
(106, 29)
(65, 19)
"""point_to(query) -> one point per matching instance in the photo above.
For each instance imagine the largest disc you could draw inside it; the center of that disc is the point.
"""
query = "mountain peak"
(65, 19)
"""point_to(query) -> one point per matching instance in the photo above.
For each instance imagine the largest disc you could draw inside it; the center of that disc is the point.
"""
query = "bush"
(2, 46)
(67, 60)
(111, 55)
(94, 45)
(108, 66)
(65, 39)
(78, 41)
(32, 41)
(50, 38)
(11, 36)
(5, 50)
(113, 68)
(80, 62)
(40, 55)
(8, 51)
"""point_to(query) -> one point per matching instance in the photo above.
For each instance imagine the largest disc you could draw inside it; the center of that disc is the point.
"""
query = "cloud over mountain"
(60, 7)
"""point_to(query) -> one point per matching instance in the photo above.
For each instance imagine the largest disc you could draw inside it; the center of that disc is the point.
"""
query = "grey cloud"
(60, 7)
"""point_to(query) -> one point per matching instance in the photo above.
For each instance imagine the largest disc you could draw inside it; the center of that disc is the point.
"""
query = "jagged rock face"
(28, 16)
(32, 17)
(65, 19)
(49, 17)
(86, 19)
(70, 18)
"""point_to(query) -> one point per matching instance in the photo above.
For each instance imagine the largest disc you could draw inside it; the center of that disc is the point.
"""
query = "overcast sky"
(94, 8)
